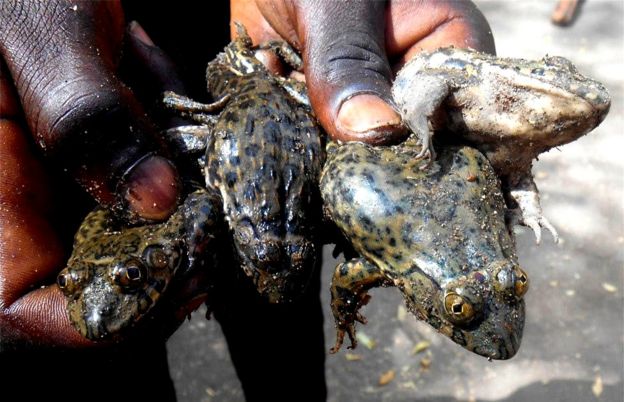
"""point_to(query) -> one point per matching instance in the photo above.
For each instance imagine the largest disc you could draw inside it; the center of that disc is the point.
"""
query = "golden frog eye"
(458, 308)
(156, 257)
(522, 283)
(129, 275)
(68, 281)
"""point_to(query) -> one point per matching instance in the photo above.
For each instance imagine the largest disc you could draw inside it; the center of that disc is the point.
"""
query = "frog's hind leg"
(203, 113)
(526, 195)
(418, 97)
(351, 281)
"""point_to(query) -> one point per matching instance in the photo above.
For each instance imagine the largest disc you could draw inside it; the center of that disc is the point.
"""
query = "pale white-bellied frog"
(510, 109)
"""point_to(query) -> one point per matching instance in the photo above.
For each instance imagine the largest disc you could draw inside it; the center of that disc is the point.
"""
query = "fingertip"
(138, 32)
(368, 118)
(151, 188)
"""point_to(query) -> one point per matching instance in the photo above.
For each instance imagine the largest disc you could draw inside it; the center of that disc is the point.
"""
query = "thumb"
(347, 71)
(63, 58)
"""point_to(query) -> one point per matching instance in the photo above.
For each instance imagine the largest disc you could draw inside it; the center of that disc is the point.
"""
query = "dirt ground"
(573, 342)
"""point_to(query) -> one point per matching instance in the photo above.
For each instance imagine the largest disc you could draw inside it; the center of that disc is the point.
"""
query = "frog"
(511, 109)
(260, 148)
(118, 275)
(439, 235)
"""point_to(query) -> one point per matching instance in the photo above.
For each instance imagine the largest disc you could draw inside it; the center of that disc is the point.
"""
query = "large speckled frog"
(512, 110)
(263, 154)
(439, 235)
(117, 275)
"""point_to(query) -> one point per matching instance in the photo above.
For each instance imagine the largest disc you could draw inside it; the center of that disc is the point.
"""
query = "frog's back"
(445, 220)
(265, 158)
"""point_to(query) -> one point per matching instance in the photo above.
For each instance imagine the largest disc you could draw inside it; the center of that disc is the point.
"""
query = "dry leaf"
(597, 386)
(353, 357)
(425, 363)
(386, 378)
(420, 346)
(365, 340)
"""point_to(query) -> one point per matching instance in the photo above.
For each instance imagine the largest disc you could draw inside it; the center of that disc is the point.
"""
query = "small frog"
(263, 154)
(116, 274)
(512, 110)
(439, 235)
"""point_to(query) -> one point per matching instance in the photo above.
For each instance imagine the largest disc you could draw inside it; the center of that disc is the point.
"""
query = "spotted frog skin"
(116, 275)
(439, 235)
(263, 154)
(512, 110)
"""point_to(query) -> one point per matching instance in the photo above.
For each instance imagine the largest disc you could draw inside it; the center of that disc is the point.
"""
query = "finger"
(148, 69)
(62, 56)
(347, 71)
(31, 252)
(412, 27)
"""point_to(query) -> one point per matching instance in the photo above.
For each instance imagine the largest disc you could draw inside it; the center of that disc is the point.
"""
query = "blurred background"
(573, 345)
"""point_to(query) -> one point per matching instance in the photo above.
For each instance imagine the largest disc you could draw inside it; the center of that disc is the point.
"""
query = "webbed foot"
(418, 96)
(534, 220)
(427, 153)
(349, 288)
(530, 214)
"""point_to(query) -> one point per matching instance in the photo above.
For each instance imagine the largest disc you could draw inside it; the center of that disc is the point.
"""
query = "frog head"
(483, 311)
(115, 277)
(279, 266)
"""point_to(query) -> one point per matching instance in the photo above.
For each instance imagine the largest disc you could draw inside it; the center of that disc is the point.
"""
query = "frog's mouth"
(497, 334)
(283, 274)
(101, 312)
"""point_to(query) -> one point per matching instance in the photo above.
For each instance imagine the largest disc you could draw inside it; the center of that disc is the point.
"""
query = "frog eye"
(458, 308)
(521, 285)
(156, 257)
(129, 275)
(69, 281)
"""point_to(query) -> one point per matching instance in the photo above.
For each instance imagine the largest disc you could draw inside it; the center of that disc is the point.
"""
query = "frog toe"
(536, 223)
(546, 224)
(360, 318)
(349, 329)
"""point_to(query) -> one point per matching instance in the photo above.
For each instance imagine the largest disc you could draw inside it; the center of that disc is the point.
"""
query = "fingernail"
(138, 32)
(366, 112)
(152, 188)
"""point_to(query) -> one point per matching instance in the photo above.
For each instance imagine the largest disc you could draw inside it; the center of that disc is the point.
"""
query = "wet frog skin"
(116, 275)
(438, 235)
(512, 110)
(263, 154)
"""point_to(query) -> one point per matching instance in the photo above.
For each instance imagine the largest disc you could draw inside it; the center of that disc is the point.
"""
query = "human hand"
(351, 48)
(86, 120)
(63, 57)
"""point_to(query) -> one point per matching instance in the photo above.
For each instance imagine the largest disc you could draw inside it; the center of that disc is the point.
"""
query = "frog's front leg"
(418, 97)
(203, 113)
(296, 89)
(351, 281)
(285, 52)
(203, 221)
(526, 195)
